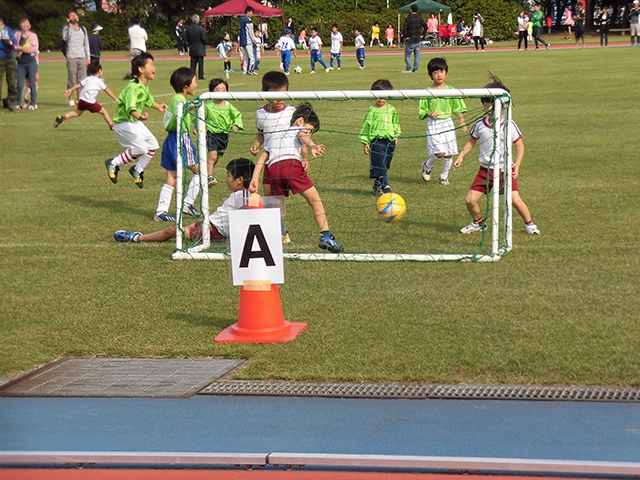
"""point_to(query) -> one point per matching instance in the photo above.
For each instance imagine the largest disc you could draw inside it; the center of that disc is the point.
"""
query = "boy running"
(133, 135)
(315, 47)
(441, 133)
(482, 133)
(90, 87)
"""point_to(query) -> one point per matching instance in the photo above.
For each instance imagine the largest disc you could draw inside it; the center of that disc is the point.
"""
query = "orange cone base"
(260, 318)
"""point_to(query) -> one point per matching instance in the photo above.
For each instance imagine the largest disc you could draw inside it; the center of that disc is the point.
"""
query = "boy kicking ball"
(482, 133)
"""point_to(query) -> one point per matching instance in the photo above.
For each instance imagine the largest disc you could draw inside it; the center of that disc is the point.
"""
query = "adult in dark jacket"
(196, 40)
(412, 32)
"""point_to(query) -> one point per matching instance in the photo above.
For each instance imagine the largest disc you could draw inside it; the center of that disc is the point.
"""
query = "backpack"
(63, 44)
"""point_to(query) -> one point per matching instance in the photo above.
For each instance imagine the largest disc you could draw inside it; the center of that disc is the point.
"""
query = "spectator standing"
(196, 40)
(432, 24)
(567, 21)
(523, 27)
(137, 38)
(247, 41)
(549, 23)
(537, 18)
(605, 22)
(291, 26)
(95, 43)
(180, 33)
(264, 29)
(8, 63)
(578, 20)
(26, 52)
(412, 31)
(78, 54)
(478, 31)
(634, 23)
(390, 34)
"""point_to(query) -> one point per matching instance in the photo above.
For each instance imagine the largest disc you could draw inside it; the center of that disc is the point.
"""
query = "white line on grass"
(68, 245)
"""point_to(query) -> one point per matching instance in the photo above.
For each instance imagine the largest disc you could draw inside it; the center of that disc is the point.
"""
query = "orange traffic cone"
(260, 318)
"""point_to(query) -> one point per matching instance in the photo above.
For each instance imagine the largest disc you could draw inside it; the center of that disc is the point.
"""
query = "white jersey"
(268, 122)
(483, 133)
(284, 145)
(258, 44)
(91, 86)
(138, 38)
(285, 43)
(220, 218)
(315, 43)
(336, 42)
(359, 41)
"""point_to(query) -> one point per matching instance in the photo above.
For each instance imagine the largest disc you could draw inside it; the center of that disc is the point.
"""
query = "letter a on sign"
(256, 245)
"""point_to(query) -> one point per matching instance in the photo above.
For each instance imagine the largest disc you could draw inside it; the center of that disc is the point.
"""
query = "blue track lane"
(233, 424)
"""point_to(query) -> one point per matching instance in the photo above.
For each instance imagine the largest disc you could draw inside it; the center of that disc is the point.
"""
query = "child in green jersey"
(221, 118)
(184, 83)
(133, 135)
(441, 132)
(379, 135)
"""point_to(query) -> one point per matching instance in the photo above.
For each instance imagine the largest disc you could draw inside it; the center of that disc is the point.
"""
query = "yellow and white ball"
(391, 207)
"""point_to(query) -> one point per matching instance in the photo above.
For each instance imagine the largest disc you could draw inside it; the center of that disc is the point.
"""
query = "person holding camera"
(76, 42)
(478, 30)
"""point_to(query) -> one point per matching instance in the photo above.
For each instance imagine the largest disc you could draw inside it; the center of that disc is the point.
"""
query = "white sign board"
(256, 245)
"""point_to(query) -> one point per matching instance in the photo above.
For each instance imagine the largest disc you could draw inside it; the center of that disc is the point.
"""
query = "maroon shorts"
(195, 232)
(91, 107)
(287, 175)
(480, 182)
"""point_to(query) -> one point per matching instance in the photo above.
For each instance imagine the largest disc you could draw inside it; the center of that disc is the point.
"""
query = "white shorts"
(136, 136)
(441, 137)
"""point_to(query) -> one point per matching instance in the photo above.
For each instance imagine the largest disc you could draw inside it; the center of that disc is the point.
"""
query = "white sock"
(431, 161)
(446, 166)
(122, 159)
(144, 160)
(164, 200)
(192, 190)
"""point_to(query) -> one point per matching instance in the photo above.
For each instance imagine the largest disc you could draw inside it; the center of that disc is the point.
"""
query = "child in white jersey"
(315, 48)
(285, 46)
(359, 43)
(91, 86)
(490, 152)
(336, 46)
(224, 49)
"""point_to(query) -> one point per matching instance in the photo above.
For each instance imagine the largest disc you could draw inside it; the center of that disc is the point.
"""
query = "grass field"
(561, 308)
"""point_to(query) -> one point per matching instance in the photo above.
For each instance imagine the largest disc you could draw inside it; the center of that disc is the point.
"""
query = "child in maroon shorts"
(90, 86)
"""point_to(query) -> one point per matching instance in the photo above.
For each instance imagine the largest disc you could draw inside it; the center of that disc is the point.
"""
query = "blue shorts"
(285, 56)
(217, 142)
(169, 159)
(360, 53)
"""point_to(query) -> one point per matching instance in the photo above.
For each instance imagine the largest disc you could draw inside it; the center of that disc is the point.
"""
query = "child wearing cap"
(95, 43)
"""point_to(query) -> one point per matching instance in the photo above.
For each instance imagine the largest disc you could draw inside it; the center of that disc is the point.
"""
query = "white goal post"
(500, 233)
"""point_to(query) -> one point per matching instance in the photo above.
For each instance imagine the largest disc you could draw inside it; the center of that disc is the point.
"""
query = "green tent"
(428, 6)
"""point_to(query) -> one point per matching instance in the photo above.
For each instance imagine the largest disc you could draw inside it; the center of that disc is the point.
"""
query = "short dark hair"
(241, 167)
(181, 78)
(93, 68)
(414, 8)
(135, 20)
(314, 29)
(217, 81)
(382, 84)
(139, 61)
(274, 80)
(437, 63)
(248, 9)
(305, 110)
(335, 25)
(358, 29)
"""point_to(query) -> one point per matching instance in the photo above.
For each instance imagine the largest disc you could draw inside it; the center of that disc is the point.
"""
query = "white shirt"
(286, 43)
(138, 38)
(284, 145)
(315, 42)
(91, 86)
(336, 42)
(220, 218)
(483, 133)
(258, 44)
(359, 41)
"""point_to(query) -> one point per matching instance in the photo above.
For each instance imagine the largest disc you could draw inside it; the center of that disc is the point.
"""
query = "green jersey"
(380, 123)
(220, 118)
(444, 106)
(135, 96)
(536, 18)
(170, 120)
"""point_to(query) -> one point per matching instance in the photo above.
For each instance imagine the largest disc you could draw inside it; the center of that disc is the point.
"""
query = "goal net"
(430, 229)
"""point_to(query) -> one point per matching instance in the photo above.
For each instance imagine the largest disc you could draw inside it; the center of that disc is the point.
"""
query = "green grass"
(561, 308)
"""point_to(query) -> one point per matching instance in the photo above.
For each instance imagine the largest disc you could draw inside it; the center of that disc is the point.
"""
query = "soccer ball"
(298, 69)
(391, 207)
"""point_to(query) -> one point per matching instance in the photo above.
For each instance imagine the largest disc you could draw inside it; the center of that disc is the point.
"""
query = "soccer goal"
(430, 230)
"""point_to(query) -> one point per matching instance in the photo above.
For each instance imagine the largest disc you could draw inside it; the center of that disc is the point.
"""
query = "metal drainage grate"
(120, 377)
(399, 390)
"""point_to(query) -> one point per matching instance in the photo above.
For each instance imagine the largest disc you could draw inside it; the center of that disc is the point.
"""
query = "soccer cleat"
(231, 70)
(327, 70)
(138, 177)
(531, 229)
(212, 181)
(191, 210)
(328, 242)
(58, 121)
(361, 67)
(376, 189)
(112, 170)
(386, 189)
(426, 172)
(331, 68)
(338, 68)
(473, 227)
(122, 236)
(312, 71)
(286, 73)
(164, 217)
(31, 107)
(444, 181)
(286, 239)
(547, 46)
(406, 71)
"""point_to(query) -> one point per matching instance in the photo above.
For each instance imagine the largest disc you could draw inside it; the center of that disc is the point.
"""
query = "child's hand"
(317, 150)
(67, 93)
(144, 116)
(367, 148)
(433, 114)
(234, 128)
(463, 127)
(162, 107)
(458, 162)
(255, 149)
(253, 186)
(515, 171)
(305, 166)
